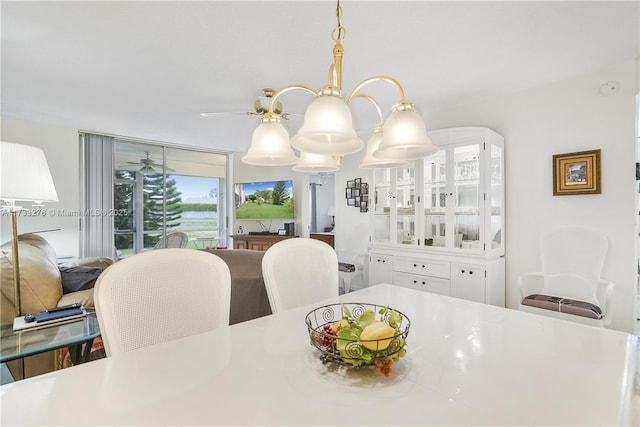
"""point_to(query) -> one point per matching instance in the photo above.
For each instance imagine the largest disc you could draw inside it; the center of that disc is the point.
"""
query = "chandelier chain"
(339, 31)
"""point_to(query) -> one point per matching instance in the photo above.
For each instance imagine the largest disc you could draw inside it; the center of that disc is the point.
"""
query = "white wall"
(353, 227)
(325, 198)
(61, 148)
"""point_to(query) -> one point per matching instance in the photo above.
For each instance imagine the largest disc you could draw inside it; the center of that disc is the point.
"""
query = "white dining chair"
(159, 296)
(299, 271)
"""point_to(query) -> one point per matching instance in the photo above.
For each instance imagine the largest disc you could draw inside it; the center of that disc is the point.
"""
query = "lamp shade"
(405, 136)
(327, 129)
(310, 162)
(24, 174)
(371, 162)
(270, 145)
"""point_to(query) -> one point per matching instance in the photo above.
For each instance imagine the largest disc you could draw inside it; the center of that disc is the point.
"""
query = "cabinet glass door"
(405, 199)
(382, 205)
(450, 202)
(435, 182)
(468, 195)
(497, 182)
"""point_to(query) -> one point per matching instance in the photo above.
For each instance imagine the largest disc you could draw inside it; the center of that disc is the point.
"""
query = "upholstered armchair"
(41, 288)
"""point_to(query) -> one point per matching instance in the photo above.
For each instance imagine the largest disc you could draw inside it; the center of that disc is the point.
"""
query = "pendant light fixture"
(327, 132)
(310, 162)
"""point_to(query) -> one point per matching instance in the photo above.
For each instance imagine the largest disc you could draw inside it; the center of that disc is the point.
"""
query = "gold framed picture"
(576, 173)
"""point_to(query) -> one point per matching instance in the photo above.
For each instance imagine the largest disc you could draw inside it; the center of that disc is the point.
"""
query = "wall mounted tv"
(264, 200)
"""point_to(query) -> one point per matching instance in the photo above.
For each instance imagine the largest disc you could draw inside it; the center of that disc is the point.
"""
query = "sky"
(194, 186)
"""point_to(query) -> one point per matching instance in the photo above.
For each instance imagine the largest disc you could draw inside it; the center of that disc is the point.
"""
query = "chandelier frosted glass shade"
(270, 145)
(327, 129)
(405, 136)
(371, 162)
(310, 162)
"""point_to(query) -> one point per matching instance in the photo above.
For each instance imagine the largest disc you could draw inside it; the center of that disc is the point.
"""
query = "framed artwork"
(576, 173)
(357, 194)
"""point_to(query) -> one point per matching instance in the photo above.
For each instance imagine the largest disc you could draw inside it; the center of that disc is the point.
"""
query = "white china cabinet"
(438, 224)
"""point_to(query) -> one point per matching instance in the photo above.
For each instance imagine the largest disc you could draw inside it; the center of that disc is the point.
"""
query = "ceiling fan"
(261, 106)
(147, 165)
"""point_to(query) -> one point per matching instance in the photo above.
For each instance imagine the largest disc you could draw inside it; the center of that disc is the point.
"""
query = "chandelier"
(327, 132)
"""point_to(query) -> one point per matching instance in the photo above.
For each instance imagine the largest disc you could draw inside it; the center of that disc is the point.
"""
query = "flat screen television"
(264, 200)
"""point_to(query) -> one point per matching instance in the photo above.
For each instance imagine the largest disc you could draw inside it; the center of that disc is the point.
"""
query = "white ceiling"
(147, 69)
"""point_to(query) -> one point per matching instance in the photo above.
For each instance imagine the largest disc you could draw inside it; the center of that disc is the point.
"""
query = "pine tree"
(153, 212)
(122, 201)
(279, 194)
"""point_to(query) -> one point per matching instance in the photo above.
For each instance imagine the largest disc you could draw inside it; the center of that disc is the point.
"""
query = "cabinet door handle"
(415, 281)
(415, 265)
(424, 283)
(424, 266)
(462, 271)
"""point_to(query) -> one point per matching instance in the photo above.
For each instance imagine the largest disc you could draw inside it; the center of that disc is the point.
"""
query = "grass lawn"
(254, 210)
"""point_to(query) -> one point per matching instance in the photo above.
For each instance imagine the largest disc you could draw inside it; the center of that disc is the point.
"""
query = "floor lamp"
(24, 176)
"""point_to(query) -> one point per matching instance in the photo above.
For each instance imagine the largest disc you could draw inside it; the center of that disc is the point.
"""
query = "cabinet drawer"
(422, 283)
(423, 267)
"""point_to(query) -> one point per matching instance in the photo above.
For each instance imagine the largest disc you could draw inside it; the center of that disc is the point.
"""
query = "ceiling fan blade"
(287, 115)
(230, 113)
(137, 167)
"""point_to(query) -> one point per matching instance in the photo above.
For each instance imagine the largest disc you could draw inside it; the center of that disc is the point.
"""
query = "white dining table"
(466, 364)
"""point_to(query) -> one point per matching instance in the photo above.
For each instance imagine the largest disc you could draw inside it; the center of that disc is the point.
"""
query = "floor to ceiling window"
(167, 197)
(156, 195)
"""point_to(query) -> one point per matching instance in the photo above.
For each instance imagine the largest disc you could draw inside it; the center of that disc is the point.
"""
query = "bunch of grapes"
(326, 341)
(384, 367)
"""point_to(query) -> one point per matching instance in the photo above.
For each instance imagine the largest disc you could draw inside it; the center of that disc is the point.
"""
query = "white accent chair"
(160, 296)
(299, 271)
(347, 276)
(572, 261)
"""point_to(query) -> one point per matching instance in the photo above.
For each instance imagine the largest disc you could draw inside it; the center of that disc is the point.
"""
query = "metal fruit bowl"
(351, 350)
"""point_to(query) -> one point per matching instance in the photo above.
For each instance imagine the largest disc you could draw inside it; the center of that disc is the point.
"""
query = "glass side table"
(72, 334)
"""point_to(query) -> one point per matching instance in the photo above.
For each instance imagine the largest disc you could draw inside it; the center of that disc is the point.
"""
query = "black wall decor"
(357, 194)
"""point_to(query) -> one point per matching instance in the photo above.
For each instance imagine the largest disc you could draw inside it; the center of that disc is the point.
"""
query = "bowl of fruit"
(359, 334)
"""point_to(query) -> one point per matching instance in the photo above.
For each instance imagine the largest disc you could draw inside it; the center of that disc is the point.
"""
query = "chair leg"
(346, 283)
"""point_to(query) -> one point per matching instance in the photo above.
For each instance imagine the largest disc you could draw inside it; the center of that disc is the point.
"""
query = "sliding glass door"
(167, 197)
